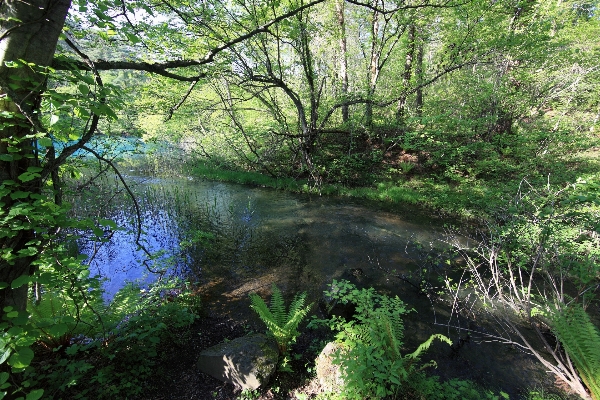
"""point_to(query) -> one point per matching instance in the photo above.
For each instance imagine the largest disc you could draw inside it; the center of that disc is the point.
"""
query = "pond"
(231, 240)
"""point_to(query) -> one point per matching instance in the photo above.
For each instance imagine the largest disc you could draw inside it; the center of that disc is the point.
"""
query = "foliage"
(522, 100)
(371, 362)
(453, 389)
(125, 351)
(539, 256)
(581, 340)
(62, 284)
(282, 325)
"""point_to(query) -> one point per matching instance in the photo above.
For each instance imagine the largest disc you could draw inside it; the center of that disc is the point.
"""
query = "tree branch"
(183, 99)
(138, 212)
(160, 68)
(425, 4)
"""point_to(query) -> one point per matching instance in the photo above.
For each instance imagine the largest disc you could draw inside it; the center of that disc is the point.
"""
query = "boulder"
(328, 373)
(247, 362)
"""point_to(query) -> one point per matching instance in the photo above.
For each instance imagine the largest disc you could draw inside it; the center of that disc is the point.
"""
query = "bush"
(371, 363)
(124, 354)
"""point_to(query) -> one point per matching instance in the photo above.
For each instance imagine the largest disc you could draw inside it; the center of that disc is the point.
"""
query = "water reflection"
(206, 230)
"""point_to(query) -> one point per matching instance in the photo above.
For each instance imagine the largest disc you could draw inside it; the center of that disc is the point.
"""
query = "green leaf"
(35, 394)
(4, 354)
(6, 157)
(19, 195)
(3, 377)
(72, 350)
(21, 358)
(53, 119)
(87, 79)
(84, 89)
(58, 330)
(133, 38)
(28, 252)
(107, 222)
(45, 141)
(20, 281)
(28, 176)
(103, 109)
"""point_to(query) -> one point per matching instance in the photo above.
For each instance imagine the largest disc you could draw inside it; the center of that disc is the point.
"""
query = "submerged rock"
(332, 306)
(247, 362)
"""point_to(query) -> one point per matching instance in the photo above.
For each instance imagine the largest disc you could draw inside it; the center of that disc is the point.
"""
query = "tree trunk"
(339, 10)
(419, 73)
(408, 68)
(373, 74)
(29, 31)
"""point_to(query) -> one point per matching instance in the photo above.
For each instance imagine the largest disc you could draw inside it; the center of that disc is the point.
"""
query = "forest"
(482, 115)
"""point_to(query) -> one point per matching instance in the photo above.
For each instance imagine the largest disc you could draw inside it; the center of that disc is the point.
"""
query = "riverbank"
(460, 197)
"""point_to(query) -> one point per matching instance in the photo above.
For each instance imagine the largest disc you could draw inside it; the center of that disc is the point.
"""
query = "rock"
(247, 362)
(333, 307)
(328, 373)
(356, 276)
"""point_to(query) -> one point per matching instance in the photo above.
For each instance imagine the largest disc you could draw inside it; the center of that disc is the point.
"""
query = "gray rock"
(247, 362)
(328, 373)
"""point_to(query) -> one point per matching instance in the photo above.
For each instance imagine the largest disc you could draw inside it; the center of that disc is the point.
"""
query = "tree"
(29, 35)
(339, 12)
(24, 73)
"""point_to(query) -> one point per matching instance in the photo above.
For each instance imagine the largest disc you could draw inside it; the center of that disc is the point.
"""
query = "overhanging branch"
(161, 68)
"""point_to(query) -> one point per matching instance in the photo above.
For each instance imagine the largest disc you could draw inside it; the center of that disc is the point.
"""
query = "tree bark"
(419, 72)
(407, 74)
(373, 74)
(339, 10)
(28, 31)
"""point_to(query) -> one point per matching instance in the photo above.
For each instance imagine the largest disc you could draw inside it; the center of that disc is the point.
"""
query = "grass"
(246, 178)
(463, 197)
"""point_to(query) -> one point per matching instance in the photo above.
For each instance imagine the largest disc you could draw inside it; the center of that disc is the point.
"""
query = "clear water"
(231, 240)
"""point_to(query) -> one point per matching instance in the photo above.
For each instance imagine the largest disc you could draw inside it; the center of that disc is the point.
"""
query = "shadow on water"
(231, 240)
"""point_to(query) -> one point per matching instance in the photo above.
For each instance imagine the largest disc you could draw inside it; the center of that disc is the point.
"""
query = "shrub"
(371, 363)
(125, 352)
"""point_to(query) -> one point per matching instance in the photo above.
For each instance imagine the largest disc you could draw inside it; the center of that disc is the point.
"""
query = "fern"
(371, 360)
(581, 340)
(282, 325)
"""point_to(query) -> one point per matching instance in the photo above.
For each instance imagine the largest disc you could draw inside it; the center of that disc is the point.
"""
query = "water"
(307, 240)
(231, 240)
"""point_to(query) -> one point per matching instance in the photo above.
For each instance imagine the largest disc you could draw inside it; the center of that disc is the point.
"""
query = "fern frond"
(296, 305)
(281, 325)
(261, 308)
(581, 340)
(392, 337)
(278, 305)
(426, 344)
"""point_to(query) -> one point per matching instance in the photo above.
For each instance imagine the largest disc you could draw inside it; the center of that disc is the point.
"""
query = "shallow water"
(316, 239)
(231, 240)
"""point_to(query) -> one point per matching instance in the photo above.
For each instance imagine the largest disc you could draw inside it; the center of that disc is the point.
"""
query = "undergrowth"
(120, 353)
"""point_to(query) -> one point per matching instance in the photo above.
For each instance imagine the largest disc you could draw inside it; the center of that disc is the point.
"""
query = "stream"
(231, 240)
